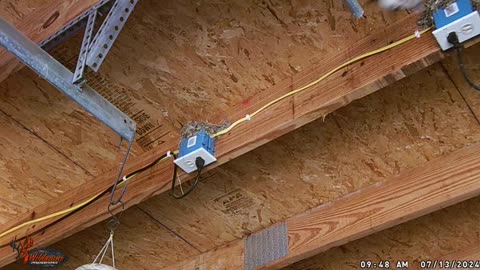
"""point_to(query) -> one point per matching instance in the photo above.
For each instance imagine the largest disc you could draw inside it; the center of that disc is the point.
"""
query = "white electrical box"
(187, 162)
(200, 145)
(466, 28)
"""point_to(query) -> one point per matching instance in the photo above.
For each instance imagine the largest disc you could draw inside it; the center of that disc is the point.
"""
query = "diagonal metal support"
(74, 26)
(82, 57)
(59, 76)
(108, 32)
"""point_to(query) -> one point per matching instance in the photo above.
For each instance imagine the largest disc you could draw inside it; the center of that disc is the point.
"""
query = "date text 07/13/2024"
(423, 264)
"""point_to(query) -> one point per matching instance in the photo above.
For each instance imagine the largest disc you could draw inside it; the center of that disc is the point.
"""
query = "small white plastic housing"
(187, 162)
(466, 28)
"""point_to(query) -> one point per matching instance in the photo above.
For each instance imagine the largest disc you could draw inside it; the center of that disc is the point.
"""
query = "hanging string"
(113, 223)
(103, 251)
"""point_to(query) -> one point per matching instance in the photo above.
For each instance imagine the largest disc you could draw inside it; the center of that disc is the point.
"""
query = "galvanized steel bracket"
(59, 76)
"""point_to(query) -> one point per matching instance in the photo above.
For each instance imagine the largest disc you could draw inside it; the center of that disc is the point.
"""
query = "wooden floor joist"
(352, 83)
(434, 185)
(39, 24)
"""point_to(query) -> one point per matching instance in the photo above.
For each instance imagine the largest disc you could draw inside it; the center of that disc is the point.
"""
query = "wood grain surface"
(432, 186)
(279, 119)
(37, 20)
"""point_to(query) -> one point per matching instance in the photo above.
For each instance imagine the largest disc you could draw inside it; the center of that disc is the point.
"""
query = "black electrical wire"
(463, 70)
(453, 39)
(200, 163)
(153, 163)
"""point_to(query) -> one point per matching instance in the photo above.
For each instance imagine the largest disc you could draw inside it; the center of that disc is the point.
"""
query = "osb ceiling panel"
(400, 127)
(178, 61)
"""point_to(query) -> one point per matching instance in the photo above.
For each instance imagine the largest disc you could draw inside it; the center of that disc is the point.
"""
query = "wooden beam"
(41, 23)
(422, 190)
(352, 83)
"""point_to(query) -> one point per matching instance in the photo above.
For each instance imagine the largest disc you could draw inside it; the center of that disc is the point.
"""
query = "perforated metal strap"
(266, 246)
(82, 57)
(72, 27)
(108, 32)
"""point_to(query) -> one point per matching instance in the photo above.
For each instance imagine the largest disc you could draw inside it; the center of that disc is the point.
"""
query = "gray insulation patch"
(266, 246)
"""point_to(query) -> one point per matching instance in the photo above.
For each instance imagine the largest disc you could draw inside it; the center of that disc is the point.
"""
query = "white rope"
(97, 263)
(101, 252)
(113, 253)
(104, 249)
(248, 117)
(169, 154)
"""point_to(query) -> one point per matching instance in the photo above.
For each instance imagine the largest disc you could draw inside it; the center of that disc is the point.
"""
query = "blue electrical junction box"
(458, 17)
(452, 12)
(200, 145)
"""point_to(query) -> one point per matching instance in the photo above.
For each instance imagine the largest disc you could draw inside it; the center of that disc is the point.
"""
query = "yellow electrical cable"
(69, 210)
(60, 213)
(358, 58)
(225, 131)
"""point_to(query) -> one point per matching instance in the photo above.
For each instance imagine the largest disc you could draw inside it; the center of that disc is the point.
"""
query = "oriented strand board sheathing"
(429, 187)
(32, 172)
(145, 244)
(195, 59)
(37, 19)
(152, 129)
(165, 60)
(140, 244)
(51, 116)
(400, 127)
(56, 119)
(471, 58)
(209, 55)
(452, 233)
(16, 10)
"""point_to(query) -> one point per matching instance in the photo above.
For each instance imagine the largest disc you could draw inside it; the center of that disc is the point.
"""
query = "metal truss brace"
(59, 76)
(74, 26)
(82, 57)
(109, 31)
